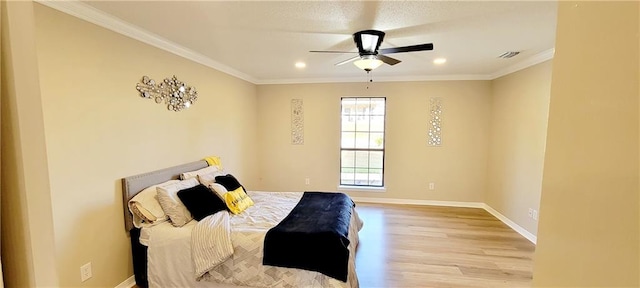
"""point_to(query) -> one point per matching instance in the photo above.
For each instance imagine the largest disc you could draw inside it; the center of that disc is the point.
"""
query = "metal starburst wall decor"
(172, 92)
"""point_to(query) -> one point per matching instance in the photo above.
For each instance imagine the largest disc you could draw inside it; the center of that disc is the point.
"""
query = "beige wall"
(458, 168)
(519, 113)
(588, 233)
(98, 130)
(27, 230)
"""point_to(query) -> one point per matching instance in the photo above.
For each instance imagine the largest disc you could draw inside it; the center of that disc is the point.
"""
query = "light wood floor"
(430, 246)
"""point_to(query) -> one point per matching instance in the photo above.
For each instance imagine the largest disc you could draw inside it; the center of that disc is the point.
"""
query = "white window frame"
(362, 114)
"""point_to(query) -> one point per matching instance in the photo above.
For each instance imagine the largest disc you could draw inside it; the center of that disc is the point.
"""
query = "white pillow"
(145, 207)
(194, 174)
(209, 178)
(171, 204)
(219, 189)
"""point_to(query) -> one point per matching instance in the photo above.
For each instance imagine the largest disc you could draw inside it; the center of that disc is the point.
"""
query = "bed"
(167, 256)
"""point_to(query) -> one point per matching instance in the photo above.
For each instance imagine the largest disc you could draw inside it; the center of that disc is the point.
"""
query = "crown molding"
(460, 77)
(526, 63)
(88, 13)
(95, 16)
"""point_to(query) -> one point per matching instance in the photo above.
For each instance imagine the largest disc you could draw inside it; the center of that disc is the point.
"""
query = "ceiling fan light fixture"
(368, 63)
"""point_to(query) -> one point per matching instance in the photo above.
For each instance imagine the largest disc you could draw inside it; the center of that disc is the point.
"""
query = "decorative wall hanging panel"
(434, 134)
(297, 122)
(172, 92)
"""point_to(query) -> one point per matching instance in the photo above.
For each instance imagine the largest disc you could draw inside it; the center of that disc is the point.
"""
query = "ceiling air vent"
(509, 54)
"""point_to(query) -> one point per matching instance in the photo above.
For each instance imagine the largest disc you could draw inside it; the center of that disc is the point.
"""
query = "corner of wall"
(513, 225)
(27, 238)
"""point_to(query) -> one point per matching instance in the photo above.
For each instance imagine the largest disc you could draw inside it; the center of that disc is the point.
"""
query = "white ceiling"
(260, 41)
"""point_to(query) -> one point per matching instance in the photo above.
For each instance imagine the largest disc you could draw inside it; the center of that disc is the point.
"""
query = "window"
(362, 142)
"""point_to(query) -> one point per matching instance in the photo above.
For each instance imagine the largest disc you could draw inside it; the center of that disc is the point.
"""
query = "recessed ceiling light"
(439, 61)
(301, 65)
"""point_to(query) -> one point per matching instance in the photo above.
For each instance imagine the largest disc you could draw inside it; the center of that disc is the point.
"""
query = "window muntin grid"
(362, 141)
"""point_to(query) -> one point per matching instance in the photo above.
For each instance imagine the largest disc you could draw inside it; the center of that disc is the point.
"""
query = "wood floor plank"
(431, 246)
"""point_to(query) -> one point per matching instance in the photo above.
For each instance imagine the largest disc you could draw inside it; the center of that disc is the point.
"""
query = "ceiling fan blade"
(412, 48)
(333, 51)
(388, 60)
(348, 60)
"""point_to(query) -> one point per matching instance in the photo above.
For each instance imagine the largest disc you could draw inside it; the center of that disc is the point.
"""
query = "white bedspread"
(171, 262)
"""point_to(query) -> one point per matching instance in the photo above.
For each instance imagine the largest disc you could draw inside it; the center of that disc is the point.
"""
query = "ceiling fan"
(369, 58)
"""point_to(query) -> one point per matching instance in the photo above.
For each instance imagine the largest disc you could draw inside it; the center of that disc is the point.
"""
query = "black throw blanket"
(314, 236)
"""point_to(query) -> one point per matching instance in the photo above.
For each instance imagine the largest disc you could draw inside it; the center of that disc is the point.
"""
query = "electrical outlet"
(432, 185)
(307, 181)
(535, 214)
(85, 272)
(530, 212)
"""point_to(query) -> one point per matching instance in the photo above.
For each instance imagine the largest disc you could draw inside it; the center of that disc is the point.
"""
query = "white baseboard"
(505, 220)
(513, 225)
(418, 202)
(130, 282)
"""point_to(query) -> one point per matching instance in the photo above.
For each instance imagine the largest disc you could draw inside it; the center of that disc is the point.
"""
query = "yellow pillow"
(237, 200)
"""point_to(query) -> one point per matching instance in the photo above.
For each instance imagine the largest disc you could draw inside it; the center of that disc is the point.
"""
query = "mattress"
(170, 262)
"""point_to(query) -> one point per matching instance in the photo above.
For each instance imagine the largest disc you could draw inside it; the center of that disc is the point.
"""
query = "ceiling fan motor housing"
(368, 41)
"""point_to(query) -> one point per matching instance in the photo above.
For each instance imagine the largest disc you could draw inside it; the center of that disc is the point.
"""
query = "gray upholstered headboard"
(132, 185)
